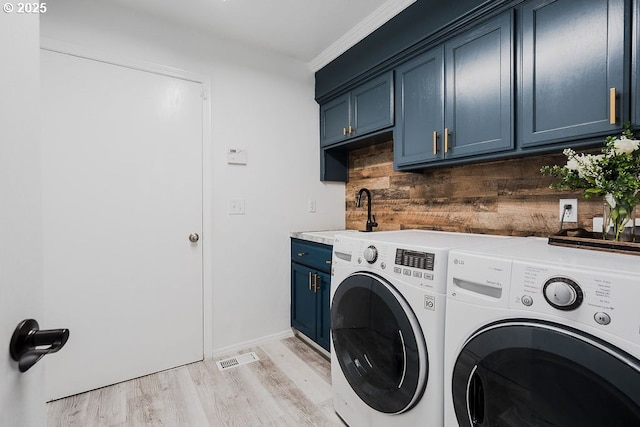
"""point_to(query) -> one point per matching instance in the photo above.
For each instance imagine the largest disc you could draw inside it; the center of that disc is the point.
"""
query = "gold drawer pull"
(435, 142)
(446, 140)
(612, 106)
(301, 254)
(344, 131)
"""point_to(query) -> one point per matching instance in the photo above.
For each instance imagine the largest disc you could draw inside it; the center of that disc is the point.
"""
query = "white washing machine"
(387, 325)
(541, 335)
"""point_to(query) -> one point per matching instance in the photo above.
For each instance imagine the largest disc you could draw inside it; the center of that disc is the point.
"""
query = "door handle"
(435, 142)
(612, 106)
(29, 344)
(194, 237)
(446, 140)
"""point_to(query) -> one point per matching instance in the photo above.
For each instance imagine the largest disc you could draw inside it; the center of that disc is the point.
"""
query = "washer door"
(534, 373)
(378, 343)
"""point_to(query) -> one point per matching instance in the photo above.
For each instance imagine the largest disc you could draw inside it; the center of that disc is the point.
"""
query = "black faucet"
(371, 219)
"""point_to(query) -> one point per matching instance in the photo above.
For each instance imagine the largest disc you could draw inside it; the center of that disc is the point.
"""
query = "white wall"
(260, 102)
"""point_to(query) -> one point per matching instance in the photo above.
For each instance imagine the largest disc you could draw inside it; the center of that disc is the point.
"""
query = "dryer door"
(535, 373)
(378, 343)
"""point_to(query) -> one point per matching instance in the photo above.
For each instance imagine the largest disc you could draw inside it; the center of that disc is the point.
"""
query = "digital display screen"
(415, 259)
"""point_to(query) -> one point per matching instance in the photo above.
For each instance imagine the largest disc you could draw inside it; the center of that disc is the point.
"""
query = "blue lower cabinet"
(310, 289)
(303, 300)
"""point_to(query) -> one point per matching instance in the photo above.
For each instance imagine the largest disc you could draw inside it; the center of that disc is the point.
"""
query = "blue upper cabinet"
(480, 90)
(334, 120)
(363, 110)
(457, 100)
(571, 70)
(420, 109)
(372, 106)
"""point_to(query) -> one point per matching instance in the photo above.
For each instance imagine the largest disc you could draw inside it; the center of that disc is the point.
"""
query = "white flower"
(573, 164)
(625, 146)
(587, 165)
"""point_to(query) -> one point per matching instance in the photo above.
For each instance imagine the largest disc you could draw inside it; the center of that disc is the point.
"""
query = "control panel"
(575, 295)
(413, 266)
(588, 297)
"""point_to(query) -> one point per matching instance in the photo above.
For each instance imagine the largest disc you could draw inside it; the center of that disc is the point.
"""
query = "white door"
(122, 193)
(21, 394)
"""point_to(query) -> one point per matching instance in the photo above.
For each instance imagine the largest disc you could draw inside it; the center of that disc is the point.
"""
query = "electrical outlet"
(570, 215)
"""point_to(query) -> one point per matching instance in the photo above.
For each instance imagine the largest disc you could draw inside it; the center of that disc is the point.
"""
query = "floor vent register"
(236, 361)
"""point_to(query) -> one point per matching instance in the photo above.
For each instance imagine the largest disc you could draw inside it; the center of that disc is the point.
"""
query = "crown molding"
(375, 20)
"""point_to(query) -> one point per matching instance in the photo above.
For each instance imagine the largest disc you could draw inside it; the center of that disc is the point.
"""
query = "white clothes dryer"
(387, 325)
(541, 335)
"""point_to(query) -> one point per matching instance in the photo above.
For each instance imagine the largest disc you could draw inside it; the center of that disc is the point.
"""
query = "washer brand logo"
(429, 303)
(457, 261)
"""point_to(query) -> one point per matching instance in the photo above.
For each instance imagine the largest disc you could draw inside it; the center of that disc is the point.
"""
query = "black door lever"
(29, 344)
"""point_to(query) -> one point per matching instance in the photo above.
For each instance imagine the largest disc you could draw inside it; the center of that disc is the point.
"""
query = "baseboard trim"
(251, 343)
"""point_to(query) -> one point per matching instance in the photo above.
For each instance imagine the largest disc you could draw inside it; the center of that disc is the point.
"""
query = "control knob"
(370, 254)
(562, 293)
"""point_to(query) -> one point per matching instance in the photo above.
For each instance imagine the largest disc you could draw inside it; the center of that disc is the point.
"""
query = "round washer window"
(528, 373)
(378, 343)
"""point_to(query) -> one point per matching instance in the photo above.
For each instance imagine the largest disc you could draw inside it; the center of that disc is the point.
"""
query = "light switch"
(236, 207)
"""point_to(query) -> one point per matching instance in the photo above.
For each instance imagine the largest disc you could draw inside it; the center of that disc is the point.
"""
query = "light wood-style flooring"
(289, 386)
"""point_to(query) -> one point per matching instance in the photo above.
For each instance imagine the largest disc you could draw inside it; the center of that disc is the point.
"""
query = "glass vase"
(618, 223)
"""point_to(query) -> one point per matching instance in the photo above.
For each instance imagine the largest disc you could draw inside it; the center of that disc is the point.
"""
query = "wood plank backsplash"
(507, 197)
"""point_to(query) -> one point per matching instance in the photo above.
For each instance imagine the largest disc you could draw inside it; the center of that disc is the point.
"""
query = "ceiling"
(313, 31)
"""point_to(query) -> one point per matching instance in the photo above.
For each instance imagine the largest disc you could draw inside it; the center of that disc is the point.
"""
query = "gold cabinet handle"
(328, 262)
(446, 140)
(612, 106)
(344, 131)
(351, 130)
(310, 280)
(435, 142)
(301, 254)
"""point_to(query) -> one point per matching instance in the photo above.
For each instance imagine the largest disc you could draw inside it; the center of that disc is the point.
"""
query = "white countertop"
(326, 237)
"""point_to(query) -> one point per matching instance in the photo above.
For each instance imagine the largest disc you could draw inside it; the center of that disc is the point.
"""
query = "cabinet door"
(303, 300)
(572, 55)
(419, 106)
(334, 120)
(479, 89)
(323, 310)
(372, 105)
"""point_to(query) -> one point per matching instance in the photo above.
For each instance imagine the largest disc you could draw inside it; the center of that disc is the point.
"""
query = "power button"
(527, 300)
